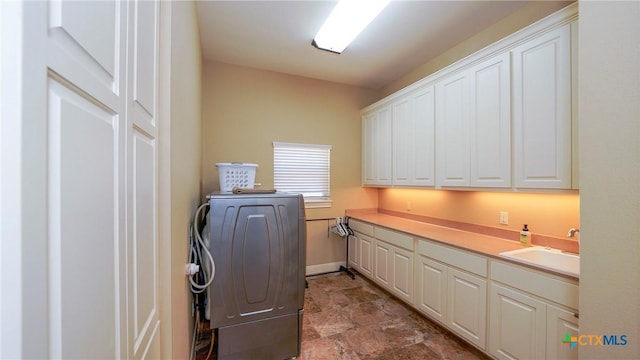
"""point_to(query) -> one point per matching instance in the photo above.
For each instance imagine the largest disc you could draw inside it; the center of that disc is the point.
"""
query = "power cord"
(197, 246)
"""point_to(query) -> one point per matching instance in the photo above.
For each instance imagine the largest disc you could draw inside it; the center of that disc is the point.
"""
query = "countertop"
(483, 244)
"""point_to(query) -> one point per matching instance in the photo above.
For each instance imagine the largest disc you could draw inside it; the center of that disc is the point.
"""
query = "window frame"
(321, 155)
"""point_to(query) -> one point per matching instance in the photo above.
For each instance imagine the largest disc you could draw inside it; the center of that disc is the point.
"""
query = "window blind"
(302, 169)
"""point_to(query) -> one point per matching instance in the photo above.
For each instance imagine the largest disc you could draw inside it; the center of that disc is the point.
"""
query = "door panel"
(143, 276)
(102, 60)
(142, 264)
(85, 242)
(86, 45)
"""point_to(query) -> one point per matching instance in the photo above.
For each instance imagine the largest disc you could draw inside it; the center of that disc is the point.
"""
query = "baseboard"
(324, 268)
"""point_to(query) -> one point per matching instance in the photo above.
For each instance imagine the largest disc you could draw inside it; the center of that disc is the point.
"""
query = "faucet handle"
(572, 232)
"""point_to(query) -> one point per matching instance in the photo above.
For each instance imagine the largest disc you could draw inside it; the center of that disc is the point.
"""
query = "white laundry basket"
(241, 175)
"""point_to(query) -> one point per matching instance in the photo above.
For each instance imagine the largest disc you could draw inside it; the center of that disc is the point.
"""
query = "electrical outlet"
(504, 218)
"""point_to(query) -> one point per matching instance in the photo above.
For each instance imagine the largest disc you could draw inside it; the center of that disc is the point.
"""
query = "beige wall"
(527, 15)
(546, 214)
(609, 110)
(179, 169)
(244, 110)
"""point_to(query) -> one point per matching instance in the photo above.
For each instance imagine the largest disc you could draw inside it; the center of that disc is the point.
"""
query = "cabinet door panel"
(382, 267)
(491, 123)
(431, 288)
(403, 143)
(452, 131)
(376, 148)
(368, 150)
(542, 111)
(353, 251)
(468, 306)
(402, 284)
(366, 255)
(560, 323)
(414, 138)
(383, 149)
(424, 133)
(518, 325)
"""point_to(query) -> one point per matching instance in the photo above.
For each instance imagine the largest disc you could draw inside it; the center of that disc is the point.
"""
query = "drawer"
(459, 258)
(548, 287)
(393, 237)
(361, 227)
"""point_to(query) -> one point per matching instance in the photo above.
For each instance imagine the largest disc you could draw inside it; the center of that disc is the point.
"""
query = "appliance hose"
(198, 246)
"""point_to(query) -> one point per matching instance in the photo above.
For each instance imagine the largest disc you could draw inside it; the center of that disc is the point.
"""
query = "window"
(303, 169)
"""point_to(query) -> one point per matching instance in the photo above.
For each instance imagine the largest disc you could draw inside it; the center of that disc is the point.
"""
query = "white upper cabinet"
(542, 111)
(503, 117)
(413, 138)
(452, 130)
(490, 123)
(473, 126)
(376, 145)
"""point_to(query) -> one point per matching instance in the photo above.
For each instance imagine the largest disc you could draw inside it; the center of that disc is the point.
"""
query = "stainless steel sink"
(547, 258)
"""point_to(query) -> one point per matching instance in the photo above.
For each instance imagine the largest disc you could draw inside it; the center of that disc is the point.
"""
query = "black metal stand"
(345, 268)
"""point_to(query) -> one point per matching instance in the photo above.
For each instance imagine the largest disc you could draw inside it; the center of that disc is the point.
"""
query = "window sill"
(314, 204)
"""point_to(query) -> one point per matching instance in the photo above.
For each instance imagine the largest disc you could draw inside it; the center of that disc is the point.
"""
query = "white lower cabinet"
(361, 247)
(507, 310)
(451, 287)
(518, 325)
(393, 268)
(365, 248)
(468, 306)
(352, 247)
(561, 322)
(381, 267)
(402, 280)
(431, 288)
(527, 318)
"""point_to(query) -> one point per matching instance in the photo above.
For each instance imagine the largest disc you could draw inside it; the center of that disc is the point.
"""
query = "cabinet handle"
(576, 315)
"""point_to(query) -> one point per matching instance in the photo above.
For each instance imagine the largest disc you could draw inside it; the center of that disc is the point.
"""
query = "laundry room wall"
(244, 110)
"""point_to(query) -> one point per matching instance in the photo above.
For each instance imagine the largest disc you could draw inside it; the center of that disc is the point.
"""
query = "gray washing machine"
(258, 243)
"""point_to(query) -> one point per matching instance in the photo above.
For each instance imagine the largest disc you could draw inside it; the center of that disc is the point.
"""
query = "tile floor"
(357, 320)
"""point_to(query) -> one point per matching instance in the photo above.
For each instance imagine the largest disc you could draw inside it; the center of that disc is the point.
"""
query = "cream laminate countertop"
(483, 244)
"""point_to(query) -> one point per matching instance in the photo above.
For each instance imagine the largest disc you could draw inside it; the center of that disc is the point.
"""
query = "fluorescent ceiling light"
(346, 21)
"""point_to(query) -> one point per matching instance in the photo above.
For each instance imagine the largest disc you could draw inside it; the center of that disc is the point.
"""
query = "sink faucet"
(573, 232)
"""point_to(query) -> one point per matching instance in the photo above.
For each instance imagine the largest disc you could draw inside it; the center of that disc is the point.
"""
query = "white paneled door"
(93, 69)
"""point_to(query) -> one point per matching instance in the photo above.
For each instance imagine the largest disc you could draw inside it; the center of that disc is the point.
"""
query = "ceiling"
(276, 36)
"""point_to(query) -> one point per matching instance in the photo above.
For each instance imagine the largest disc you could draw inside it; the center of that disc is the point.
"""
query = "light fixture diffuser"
(345, 22)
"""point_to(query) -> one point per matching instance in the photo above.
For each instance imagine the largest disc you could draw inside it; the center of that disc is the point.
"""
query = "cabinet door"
(560, 323)
(366, 255)
(414, 138)
(352, 243)
(382, 266)
(490, 124)
(368, 149)
(431, 288)
(517, 325)
(402, 273)
(542, 111)
(403, 142)
(467, 304)
(424, 117)
(382, 130)
(452, 131)
(376, 147)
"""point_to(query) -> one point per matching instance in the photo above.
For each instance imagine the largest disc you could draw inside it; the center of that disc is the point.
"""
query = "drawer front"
(461, 259)
(393, 237)
(551, 288)
(361, 227)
